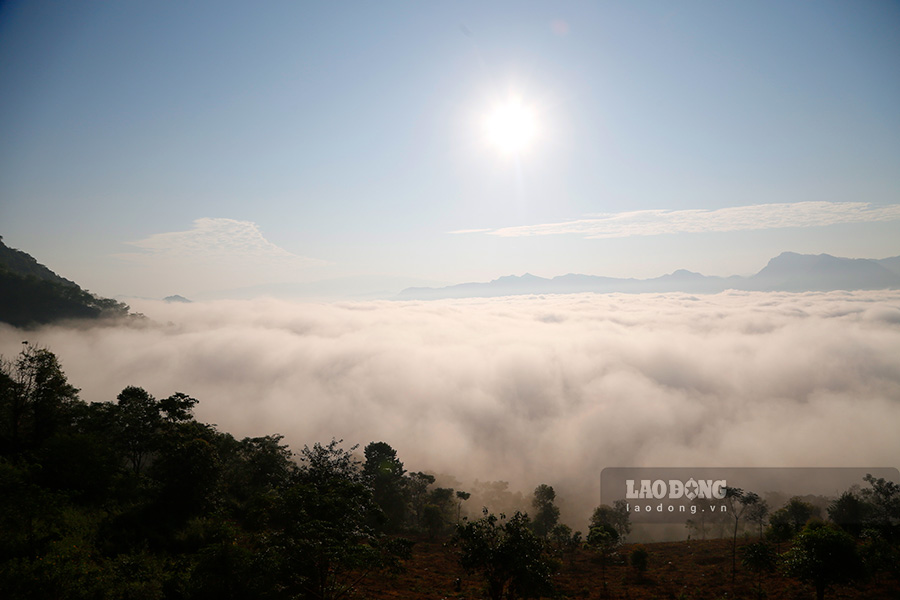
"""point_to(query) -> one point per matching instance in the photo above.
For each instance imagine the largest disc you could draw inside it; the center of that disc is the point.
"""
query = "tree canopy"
(512, 560)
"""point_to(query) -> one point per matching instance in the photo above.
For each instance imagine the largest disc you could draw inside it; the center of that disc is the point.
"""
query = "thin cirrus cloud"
(459, 231)
(736, 218)
(212, 237)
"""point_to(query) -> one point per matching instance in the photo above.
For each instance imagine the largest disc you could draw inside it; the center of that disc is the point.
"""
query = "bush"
(823, 555)
(510, 557)
(639, 560)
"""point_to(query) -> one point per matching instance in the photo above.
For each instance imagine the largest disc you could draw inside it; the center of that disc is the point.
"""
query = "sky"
(224, 149)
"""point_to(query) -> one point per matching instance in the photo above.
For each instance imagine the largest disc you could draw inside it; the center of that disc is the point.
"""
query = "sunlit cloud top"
(527, 389)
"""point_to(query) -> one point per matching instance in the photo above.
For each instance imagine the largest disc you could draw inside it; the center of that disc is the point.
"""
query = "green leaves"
(823, 555)
(35, 399)
(546, 514)
(510, 557)
(615, 517)
(322, 526)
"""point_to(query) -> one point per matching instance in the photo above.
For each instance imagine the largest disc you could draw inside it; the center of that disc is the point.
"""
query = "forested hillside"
(31, 294)
(133, 497)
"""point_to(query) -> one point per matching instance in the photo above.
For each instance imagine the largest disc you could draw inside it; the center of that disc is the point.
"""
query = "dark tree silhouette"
(438, 515)
(35, 397)
(849, 512)
(759, 558)
(507, 553)
(139, 421)
(758, 512)
(461, 497)
(385, 473)
(177, 407)
(790, 518)
(31, 294)
(564, 538)
(823, 555)
(640, 560)
(883, 497)
(615, 516)
(603, 539)
(738, 502)
(546, 513)
(416, 488)
(323, 535)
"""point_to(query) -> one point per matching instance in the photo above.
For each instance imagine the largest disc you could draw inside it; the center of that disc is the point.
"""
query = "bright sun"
(511, 127)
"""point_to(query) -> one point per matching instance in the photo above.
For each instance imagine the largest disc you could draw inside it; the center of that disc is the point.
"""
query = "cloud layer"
(737, 218)
(528, 389)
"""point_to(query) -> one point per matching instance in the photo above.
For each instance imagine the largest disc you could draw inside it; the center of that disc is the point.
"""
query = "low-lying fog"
(528, 390)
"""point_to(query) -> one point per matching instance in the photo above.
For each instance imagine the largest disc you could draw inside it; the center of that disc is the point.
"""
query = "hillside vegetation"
(31, 294)
(133, 498)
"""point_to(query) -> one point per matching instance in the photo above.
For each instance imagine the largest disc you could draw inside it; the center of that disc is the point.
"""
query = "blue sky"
(194, 147)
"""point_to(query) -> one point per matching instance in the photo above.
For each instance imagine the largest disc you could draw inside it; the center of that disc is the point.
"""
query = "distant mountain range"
(31, 294)
(787, 272)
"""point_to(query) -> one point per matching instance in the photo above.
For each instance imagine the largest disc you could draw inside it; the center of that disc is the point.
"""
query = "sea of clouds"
(530, 390)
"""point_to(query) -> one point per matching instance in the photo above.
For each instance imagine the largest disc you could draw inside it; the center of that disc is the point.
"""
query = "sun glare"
(511, 127)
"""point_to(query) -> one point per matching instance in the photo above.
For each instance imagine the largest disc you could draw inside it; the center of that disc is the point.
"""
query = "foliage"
(497, 497)
(322, 527)
(879, 554)
(760, 558)
(739, 502)
(564, 539)
(134, 498)
(139, 420)
(185, 473)
(178, 407)
(849, 512)
(385, 473)
(823, 555)
(506, 552)
(409, 501)
(416, 492)
(439, 511)
(32, 294)
(640, 560)
(35, 399)
(787, 521)
(883, 497)
(758, 512)
(604, 540)
(460, 498)
(546, 513)
(615, 517)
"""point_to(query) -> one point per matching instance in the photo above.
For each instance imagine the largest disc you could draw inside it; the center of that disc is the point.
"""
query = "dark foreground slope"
(694, 569)
(31, 294)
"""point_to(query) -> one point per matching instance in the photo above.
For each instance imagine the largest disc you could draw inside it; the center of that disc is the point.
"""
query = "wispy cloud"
(461, 231)
(216, 252)
(212, 237)
(737, 218)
